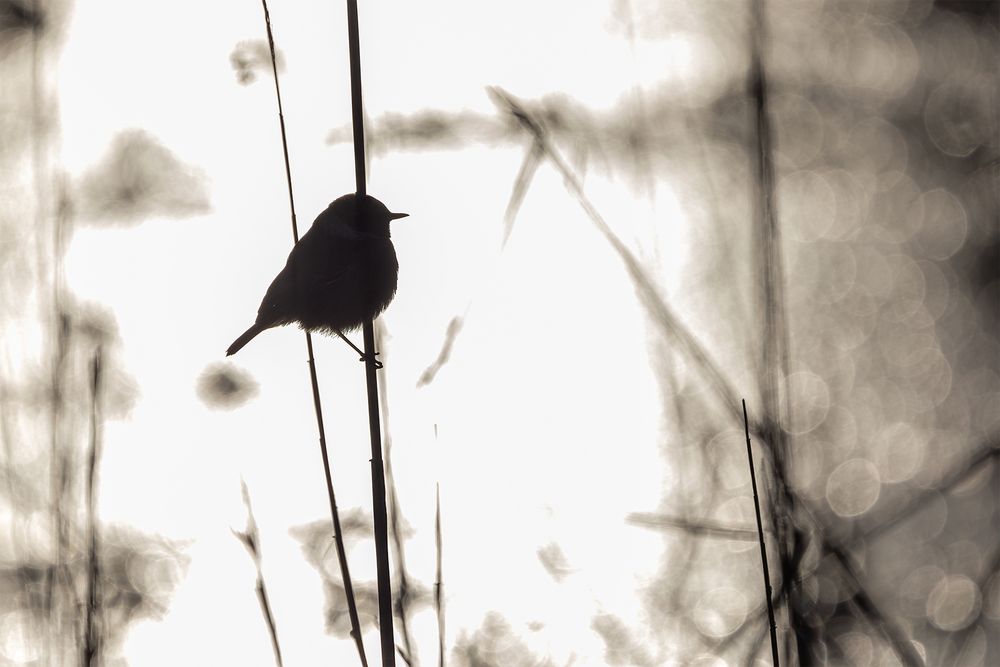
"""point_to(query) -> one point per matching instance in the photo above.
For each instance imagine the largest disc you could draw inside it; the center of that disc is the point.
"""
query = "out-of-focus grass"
(884, 191)
(882, 168)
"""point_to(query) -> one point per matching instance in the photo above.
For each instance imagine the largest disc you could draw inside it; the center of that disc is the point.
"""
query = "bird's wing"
(314, 267)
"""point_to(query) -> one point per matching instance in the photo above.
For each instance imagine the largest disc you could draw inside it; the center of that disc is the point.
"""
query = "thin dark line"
(378, 467)
(281, 121)
(763, 548)
(345, 573)
(92, 623)
(357, 106)
(438, 583)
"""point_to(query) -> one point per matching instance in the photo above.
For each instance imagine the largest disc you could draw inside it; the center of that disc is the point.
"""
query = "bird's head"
(359, 217)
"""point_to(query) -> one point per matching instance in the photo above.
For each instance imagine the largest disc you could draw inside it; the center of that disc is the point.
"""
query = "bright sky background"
(548, 412)
(567, 405)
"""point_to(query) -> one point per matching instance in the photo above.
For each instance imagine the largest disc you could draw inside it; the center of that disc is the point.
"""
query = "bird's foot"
(364, 358)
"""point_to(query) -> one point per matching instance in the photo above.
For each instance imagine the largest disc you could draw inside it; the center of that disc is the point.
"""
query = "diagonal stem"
(763, 546)
(345, 574)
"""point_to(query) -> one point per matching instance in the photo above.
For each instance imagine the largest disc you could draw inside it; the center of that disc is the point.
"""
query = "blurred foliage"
(318, 547)
(139, 178)
(222, 385)
(495, 644)
(252, 58)
(882, 502)
(22, 21)
(886, 165)
(138, 574)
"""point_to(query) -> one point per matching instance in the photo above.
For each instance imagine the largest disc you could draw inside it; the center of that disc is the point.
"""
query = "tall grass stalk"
(775, 339)
(378, 468)
(56, 585)
(438, 583)
(251, 540)
(408, 650)
(92, 627)
(763, 547)
(345, 573)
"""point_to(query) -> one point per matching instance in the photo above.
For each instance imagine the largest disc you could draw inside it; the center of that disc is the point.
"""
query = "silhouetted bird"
(341, 273)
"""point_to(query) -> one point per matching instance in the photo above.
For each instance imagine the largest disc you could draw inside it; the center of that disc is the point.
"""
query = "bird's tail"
(247, 336)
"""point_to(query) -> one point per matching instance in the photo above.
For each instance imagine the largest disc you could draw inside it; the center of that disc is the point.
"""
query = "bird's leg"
(378, 364)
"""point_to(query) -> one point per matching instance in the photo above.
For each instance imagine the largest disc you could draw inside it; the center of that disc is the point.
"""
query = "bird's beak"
(397, 216)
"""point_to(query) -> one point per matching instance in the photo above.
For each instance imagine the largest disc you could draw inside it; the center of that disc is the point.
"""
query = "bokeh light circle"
(720, 611)
(945, 225)
(953, 603)
(811, 401)
(853, 487)
(899, 452)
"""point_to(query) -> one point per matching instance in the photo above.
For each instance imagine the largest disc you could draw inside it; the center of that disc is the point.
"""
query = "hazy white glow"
(548, 423)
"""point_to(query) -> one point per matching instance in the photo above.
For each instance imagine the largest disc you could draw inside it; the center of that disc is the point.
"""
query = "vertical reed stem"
(378, 468)
(92, 627)
(438, 583)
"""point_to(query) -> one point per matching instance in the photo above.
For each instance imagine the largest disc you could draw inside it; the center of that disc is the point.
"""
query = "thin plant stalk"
(251, 540)
(408, 650)
(763, 548)
(272, 628)
(438, 583)
(378, 468)
(775, 352)
(345, 573)
(92, 625)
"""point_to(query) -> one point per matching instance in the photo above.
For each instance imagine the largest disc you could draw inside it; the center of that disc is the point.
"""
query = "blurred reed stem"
(438, 578)
(251, 540)
(688, 346)
(774, 355)
(345, 573)
(92, 626)
(669, 325)
(408, 649)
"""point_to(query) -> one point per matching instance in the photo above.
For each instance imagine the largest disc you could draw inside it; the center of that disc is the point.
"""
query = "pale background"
(557, 413)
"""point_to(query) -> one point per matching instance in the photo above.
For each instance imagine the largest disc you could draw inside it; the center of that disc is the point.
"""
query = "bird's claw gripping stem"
(364, 358)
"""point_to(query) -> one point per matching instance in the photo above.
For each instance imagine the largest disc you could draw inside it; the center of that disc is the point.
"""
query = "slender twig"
(345, 573)
(438, 582)
(408, 651)
(775, 339)
(92, 625)
(251, 540)
(763, 547)
(454, 327)
(532, 159)
(700, 528)
(272, 628)
(378, 468)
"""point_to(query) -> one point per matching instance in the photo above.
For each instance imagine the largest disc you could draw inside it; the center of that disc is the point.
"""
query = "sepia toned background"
(625, 217)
